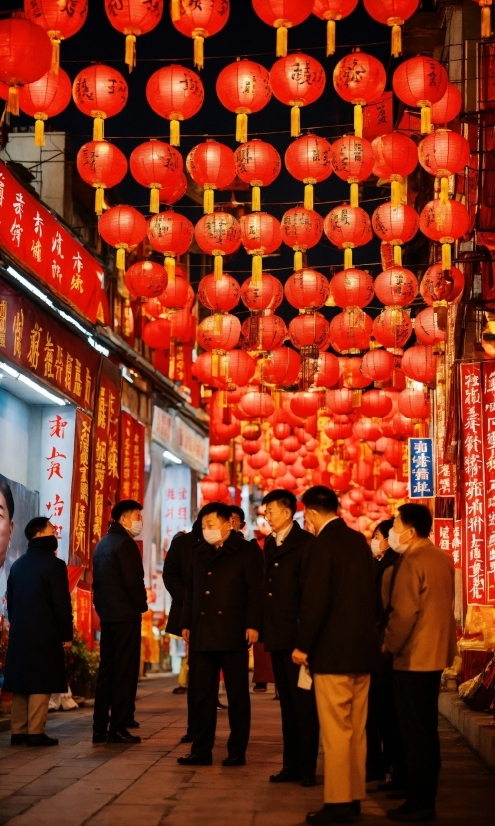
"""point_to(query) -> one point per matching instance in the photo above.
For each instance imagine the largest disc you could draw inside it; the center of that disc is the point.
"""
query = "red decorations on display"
(175, 93)
(257, 405)
(174, 296)
(220, 295)
(260, 235)
(258, 164)
(413, 404)
(419, 363)
(219, 332)
(156, 334)
(170, 234)
(426, 327)
(265, 296)
(240, 367)
(122, 227)
(332, 10)
(309, 330)
(44, 99)
(448, 107)
(439, 286)
(396, 157)
(308, 159)
(340, 401)
(60, 20)
(212, 166)
(350, 331)
(99, 92)
(282, 15)
(263, 333)
(199, 20)
(392, 13)
(352, 288)
(396, 287)
(352, 161)
(218, 234)
(146, 278)
(392, 328)
(133, 18)
(442, 154)
(244, 88)
(301, 229)
(396, 225)
(26, 55)
(306, 289)
(154, 164)
(444, 223)
(297, 81)
(378, 365)
(359, 79)
(102, 165)
(172, 191)
(306, 403)
(327, 370)
(420, 81)
(347, 228)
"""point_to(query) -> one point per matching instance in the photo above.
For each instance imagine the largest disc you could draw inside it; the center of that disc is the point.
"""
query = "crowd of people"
(358, 639)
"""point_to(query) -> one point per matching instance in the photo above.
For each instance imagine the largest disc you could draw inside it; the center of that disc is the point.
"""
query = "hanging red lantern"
(265, 296)
(366, 430)
(282, 15)
(396, 225)
(308, 159)
(243, 87)
(199, 20)
(258, 164)
(259, 459)
(26, 56)
(175, 93)
(170, 234)
(420, 81)
(281, 430)
(306, 289)
(133, 18)
(376, 404)
(392, 328)
(442, 154)
(219, 453)
(308, 330)
(156, 334)
(327, 370)
(347, 228)
(122, 227)
(100, 92)
(448, 107)
(297, 81)
(394, 489)
(352, 375)
(392, 13)
(352, 161)
(146, 278)
(101, 165)
(396, 287)
(263, 333)
(219, 332)
(212, 166)
(260, 235)
(257, 405)
(340, 401)
(397, 157)
(45, 98)
(59, 20)
(306, 403)
(444, 223)
(281, 368)
(419, 363)
(351, 288)
(338, 430)
(154, 164)
(301, 229)
(174, 295)
(350, 331)
(378, 365)
(217, 472)
(218, 234)
(439, 286)
(220, 295)
(359, 79)
(332, 10)
(213, 491)
(239, 368)
(413, 404)
(202, 371)
(173, 190)
(426, 327)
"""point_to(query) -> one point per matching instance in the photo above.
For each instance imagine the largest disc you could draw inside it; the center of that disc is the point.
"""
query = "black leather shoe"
(398, 795)
(188, 738)
(194, 760)
(411, 814)
(308, 780)
(18, 739)
(179, 690)
(123, 736)
(100, 738)
(356, 807)
(220, 706)
(133, 724)
(41, 740)
(285, 776)
(260, 687)
(331, 813)
(234, 761)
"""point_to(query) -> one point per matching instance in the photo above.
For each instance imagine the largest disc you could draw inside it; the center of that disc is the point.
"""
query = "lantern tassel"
(425, 120)
(486, 21)
(171, 361)
(154, 198)
(98, 129)
(217, 324)
(174, 133)
(298, 262)
(348, 258)
(396, 41)
(308, 196)
(199, 51)
(175, 10)
(55, 52)
(39, 130)
(395, 193)
(256, 199)
(358, 120)
(120, 259)
(330, 37)
(208, 201)
(13, 101)
(281, 41)
(218, 267)
(241, 134)
(446, 257)
(214, 364)
(130, 51)
(354, 194)
(257, 270)
(170, 267)
(444, 190)
(99, 200)
(397, 255)
(295, 122)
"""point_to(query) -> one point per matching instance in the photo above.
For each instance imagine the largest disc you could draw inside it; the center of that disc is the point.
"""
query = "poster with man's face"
(13, 543)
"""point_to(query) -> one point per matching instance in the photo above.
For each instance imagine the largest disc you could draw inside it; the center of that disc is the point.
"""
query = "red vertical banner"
(79, 531)
(443, 534)
(137, 484)
(473, 483)
(105, 453)
(446, 480)
(457, 555)
(82, 607)
(131, 458)
(489, 445)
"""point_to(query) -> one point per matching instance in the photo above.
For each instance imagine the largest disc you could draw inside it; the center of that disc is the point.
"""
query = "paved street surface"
(77, 783)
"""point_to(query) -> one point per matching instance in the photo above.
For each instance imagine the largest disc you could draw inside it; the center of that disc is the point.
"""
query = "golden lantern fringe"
(486, 21)
(356, 398)
(98, 128)
(218, 267)
(446, 257)
(257, 270)
(175, 10)
(39, 129)
(55, 52)
(154, 198)
(217, 324)
(174, 133)
(395, 193)
(120, 260)
(130, 51)
(396, 41)
(354, 194)
(214, 364)
(171, 361)
(170, 267)
(199, 51)
(13, 101)
(298, 262)
(330, 37)
(295, 122)
(425, 119)
(358, 120)
(99, 194)
(256, 199)
(397, 255)
(241, 133)
(348, 258)
(281, 41)
(208, 201)
(444, 190)
(308, 196)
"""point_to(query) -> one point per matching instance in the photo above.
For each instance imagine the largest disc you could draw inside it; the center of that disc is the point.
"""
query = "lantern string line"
(253, 133)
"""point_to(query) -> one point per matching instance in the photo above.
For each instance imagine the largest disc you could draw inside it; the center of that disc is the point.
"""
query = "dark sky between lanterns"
(244, 35)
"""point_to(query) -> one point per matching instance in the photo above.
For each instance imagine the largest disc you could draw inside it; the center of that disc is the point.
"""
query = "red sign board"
(131, 458)
(79, 545)
(489, 445)
(446, 478)
(473, 483)
(105, 450)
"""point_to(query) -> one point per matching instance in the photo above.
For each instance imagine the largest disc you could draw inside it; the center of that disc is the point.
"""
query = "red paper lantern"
(306, 289)
(220, 295)
(217, 472)
(153, 164)
(352, 375)
(392, 328)
(419, 363)
(218, 234)
(263, 333)
(175, 294)
(170, 234)
(257, 405)
(199, 20)
(59, 20)
(173, 190)
(347, 228)
(101, 165)
(394, 489)
(439, 286)
(175, 93)
(306, 403)
(45, 98)
(308, 330)
(100, 92)
(156, 334)
(396, 287)
(340, 401)
(281, 368)
(212, 166)
(396, 225)
(258, 164)
(219, 453)
(420, 81)
(265, 296)
(448, 107)
(282, 430)
(376, 404)
(182, 324)
(260, 235)
(352, 161)
(444, 223)
(297, 81)
(327, 370)
(332, 10)
(308, 159)
(258, 460)
(219, 332)
(26, 56)
(251, 447)
(397, 157)
(359, 79)
(350, 331)
(426, 327)
(133, 18)
(338, 430)
(122, 227)
(442, 154)
(240, 367)
(301, 229)
(352, 288)
(413, 404)
(392, 13)
(378, 365)
(282, 15)
(213, 491)
(366, 430)
(243, 87)
(202, 370)
(146, 278)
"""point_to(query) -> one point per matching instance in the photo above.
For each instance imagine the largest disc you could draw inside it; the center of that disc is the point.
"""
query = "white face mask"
(136, 527)
(395, 543)
(212, 535)
(375, 547)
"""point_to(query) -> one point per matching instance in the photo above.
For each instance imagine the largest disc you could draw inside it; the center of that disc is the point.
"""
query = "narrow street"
(80, 784)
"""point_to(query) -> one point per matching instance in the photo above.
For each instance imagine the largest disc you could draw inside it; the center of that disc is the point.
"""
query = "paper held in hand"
(305, 679)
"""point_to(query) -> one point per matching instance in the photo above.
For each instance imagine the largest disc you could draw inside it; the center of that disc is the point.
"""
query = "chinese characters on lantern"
(57, 454)
(421, 478)
(489, 463)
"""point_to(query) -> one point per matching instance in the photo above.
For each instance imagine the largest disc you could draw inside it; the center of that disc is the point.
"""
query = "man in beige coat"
(421, 637)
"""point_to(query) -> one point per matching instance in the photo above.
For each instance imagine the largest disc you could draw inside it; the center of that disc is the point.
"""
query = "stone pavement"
(77, 784)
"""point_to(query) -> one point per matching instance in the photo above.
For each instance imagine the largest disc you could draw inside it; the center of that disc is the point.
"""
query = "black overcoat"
(40, 615)
(119, 593)
(284, 565)
(224, 595)
(379, 567)
(337, 627)
(175, 573)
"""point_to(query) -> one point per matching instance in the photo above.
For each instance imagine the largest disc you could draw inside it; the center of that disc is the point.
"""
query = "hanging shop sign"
(173, 433)
(105, 449)
(176, 501)
(421, 476)
(131, 458)
(446, 479)
(79, 545)
(33, 238)
(57, 455)
(489, 467)
(447, 536)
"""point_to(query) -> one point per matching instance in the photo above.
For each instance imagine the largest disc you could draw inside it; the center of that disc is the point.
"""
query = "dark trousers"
(234, 665)
(300, 727)
(191, 690)
(384, 745)
(416, 702)
(116, 684)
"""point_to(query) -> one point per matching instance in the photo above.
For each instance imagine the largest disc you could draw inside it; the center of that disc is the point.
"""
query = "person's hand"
(67, 646)
(251, 636)
(186, 634)
(299, 657)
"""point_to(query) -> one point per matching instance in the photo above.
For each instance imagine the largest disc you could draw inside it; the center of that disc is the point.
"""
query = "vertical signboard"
(421, 478)
(79, 545)
(176, 502)
(489, 465)
(57, 459)
(131, 458)
(105, 450)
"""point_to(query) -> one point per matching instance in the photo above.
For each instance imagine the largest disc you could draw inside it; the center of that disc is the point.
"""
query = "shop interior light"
(168, 455)
(34, 385)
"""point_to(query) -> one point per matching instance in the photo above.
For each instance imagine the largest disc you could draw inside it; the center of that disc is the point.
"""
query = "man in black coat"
(221, 619)
(119, 595)
(337, 637)
(284, 553)
(40, 615)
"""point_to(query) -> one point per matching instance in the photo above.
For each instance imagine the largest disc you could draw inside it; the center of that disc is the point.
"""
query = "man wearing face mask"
(221, 619)
(119, 596)
(421, 637)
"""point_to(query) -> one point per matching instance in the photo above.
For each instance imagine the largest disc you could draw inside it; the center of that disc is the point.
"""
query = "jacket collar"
(116, 527)
(331, 526)
(232, 543)
(290, 542)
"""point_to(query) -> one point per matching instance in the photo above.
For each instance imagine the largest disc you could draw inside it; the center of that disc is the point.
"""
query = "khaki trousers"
(29, 713)
(342, 702)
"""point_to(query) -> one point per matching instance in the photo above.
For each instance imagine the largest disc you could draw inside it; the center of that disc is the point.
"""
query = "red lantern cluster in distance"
(258, 164)
(102, 165)
(199, 20)
(155, 164)
(282, 15)
(175, 93)
(58, 20)
(212, 166)
(359, 79)
(308, 159)
(26, 56)
(133, 18)
(297, 81)
(45, 98)
(244, 88)
(332, 10)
